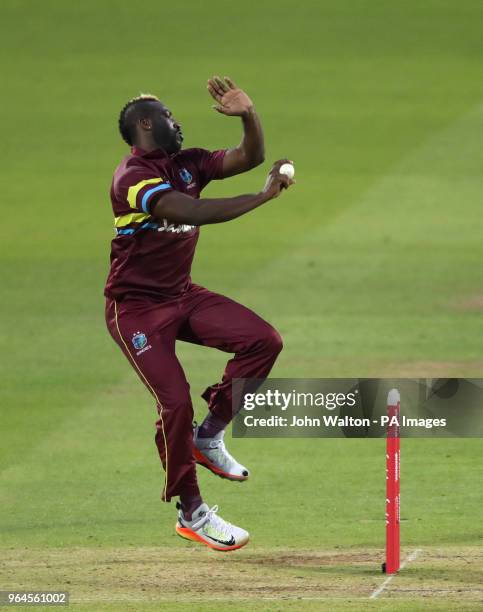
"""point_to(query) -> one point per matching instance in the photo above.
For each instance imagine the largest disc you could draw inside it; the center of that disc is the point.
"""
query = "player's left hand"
(231, 100)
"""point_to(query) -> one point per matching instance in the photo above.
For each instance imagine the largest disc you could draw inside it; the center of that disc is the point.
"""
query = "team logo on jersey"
(186, 176)
(139, 340)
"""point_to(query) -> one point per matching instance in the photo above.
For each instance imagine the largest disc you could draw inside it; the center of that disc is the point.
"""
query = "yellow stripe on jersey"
(135, 189)
(131, 218)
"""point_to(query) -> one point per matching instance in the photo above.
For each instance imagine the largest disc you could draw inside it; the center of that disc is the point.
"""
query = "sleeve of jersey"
(142, 194)
(210, 165)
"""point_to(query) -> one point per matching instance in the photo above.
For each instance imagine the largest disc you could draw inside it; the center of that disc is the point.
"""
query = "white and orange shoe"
(212, 454)
(210, 529)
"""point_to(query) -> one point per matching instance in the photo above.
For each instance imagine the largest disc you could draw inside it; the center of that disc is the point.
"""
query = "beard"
(167, 139)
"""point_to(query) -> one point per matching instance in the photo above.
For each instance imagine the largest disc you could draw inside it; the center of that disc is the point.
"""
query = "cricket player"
(151, 301)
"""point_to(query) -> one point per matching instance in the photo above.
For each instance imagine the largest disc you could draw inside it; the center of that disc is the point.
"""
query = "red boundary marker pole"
(393, 484)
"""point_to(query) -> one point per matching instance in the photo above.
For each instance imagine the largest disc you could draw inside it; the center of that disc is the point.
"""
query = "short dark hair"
(130, 113)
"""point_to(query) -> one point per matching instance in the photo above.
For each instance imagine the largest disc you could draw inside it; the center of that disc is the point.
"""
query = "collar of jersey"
(149, 154)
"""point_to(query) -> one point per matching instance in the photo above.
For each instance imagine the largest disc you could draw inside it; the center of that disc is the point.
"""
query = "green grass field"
(370, 266)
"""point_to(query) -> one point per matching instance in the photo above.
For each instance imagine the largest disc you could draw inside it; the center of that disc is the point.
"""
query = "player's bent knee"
(179, 406)
(273, 340)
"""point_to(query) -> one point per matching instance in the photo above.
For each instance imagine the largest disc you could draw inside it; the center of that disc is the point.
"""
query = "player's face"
(166, 131)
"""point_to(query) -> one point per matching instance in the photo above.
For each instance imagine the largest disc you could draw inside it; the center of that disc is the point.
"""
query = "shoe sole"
(189, 534)
(202, 460)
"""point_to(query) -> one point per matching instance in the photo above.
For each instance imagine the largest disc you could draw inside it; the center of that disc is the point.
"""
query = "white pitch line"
(414, 555)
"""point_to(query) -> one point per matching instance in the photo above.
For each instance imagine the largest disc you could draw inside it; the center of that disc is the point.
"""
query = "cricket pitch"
(249, 579)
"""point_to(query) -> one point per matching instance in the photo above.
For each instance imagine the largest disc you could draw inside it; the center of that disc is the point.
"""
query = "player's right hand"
(275, 181)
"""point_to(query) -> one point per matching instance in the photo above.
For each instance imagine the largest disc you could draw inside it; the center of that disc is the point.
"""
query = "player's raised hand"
(231, 100)
(275, 181)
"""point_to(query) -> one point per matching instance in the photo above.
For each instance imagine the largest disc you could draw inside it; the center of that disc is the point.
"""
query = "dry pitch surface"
(163, 578)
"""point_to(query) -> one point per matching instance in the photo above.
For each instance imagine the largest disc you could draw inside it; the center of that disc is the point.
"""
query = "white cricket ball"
(288, 170)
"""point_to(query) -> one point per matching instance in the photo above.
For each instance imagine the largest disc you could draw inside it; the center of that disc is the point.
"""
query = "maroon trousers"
(147, 331)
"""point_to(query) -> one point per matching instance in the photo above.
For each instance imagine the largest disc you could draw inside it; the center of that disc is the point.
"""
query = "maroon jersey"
(151, 257)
